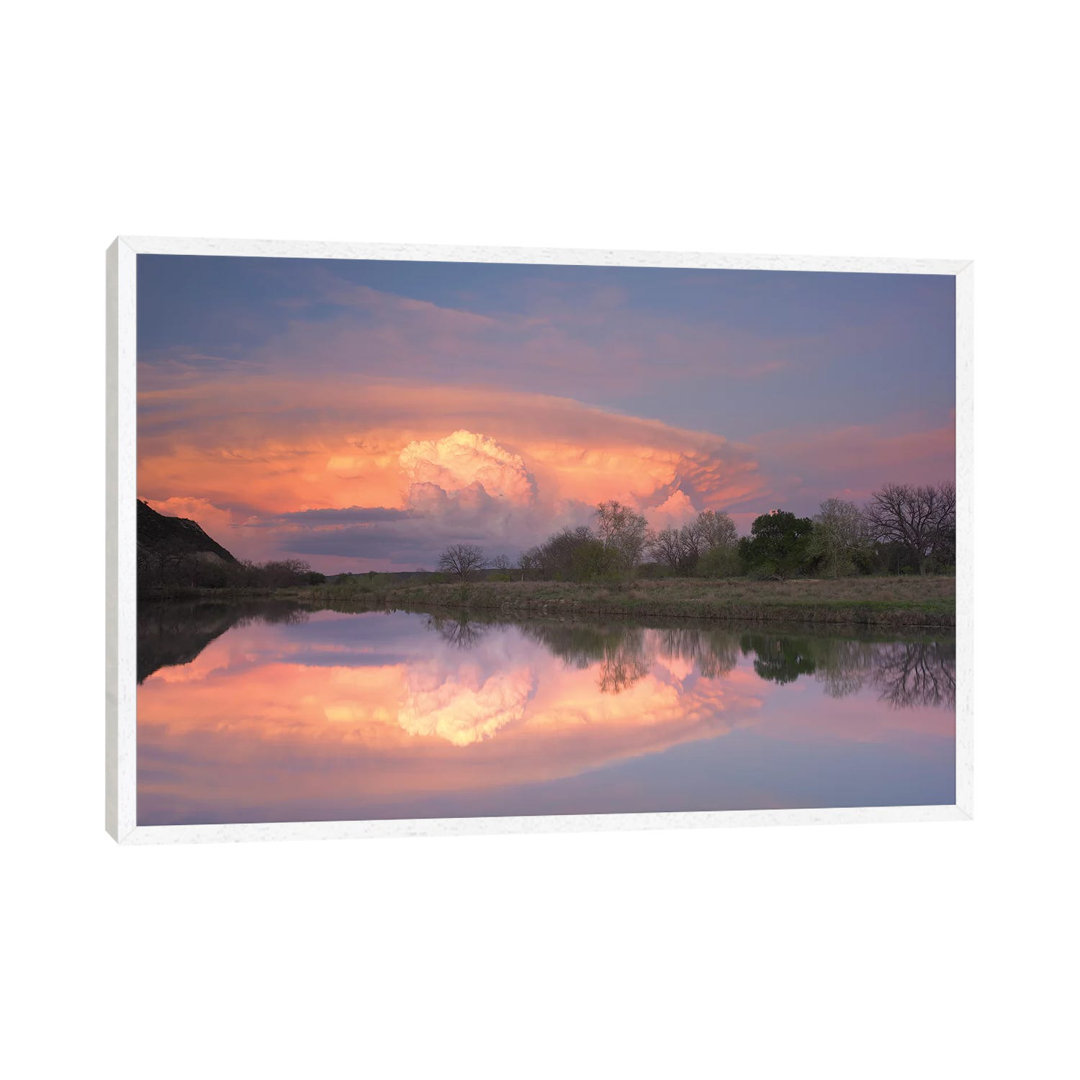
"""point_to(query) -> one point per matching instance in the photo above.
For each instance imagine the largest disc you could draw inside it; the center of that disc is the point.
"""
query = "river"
(263, 712)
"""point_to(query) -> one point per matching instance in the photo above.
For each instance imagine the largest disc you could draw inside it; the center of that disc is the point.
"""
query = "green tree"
(719, 562)
(592, 560)
(555, 557)
(777, 544)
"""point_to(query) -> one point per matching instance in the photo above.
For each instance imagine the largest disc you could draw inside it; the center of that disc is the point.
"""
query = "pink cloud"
(675, 511)
(463, 460)
(466, 463)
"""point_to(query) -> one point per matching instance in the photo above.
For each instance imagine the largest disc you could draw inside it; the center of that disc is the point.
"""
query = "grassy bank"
(869, 601)
(888, 602)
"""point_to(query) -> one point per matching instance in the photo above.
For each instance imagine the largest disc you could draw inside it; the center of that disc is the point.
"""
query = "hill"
(159, 536)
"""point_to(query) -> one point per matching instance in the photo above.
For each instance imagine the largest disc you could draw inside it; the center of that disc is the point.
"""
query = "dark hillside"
(158, 535)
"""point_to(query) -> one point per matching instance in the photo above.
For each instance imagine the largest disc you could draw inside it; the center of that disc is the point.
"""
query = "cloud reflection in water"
(375, 715)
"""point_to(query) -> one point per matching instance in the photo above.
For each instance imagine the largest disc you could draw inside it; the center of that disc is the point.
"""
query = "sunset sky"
(361, 415)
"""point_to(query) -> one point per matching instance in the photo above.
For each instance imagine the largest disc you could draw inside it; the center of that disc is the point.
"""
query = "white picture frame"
(120, 711)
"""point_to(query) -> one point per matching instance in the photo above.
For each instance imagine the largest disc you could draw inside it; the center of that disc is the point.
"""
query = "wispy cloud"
(587, 338)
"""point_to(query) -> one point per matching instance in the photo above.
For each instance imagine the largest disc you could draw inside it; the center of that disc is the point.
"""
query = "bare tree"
(669, 546)
(717, 544)
(840, 538)
(920, 519)
(529, 562)
(681, 549)
(622, 531)
(461, 560)
(715, 529)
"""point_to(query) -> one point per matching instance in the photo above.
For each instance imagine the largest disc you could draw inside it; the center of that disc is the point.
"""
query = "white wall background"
(925, 129)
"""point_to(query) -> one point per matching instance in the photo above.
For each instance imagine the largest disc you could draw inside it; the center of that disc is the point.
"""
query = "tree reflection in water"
(906, 673)
(910, 673)
(779, 659)
(621, 670)
(461, 632)
(714, 652)
(374, 714)
(621, 649)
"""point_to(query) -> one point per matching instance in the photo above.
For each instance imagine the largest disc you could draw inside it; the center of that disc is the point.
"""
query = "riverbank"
(913, 602)
(899, 602)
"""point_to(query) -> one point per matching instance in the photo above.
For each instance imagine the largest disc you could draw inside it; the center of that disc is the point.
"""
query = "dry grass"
(870, 601)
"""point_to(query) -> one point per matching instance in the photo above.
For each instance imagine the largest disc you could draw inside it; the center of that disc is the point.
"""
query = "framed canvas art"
(409, 539)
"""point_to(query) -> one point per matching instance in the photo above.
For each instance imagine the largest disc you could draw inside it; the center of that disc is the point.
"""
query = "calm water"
(262, 713)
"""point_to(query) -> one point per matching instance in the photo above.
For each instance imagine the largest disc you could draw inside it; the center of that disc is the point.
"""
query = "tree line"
(167, 571)
(902, 529)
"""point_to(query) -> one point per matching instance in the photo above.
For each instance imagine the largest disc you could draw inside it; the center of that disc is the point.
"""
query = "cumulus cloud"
(469, 464)
(676, 510)
(385, 475)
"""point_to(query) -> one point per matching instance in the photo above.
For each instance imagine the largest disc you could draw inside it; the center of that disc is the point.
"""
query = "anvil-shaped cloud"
(383, 476)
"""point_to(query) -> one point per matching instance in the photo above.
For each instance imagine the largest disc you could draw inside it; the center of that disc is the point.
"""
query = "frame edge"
(965, 533)
(404, 828)
(120, 556)
(111, 540)
(326, 249)
(121, 490)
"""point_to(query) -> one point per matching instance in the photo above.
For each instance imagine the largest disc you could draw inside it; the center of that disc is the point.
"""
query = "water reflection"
(778, 659)
(916, 673)
(258, 712)
(462, 632)
(905, 673)
(175, 632)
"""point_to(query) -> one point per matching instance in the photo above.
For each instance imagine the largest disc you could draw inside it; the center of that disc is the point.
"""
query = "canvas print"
(448, 539)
